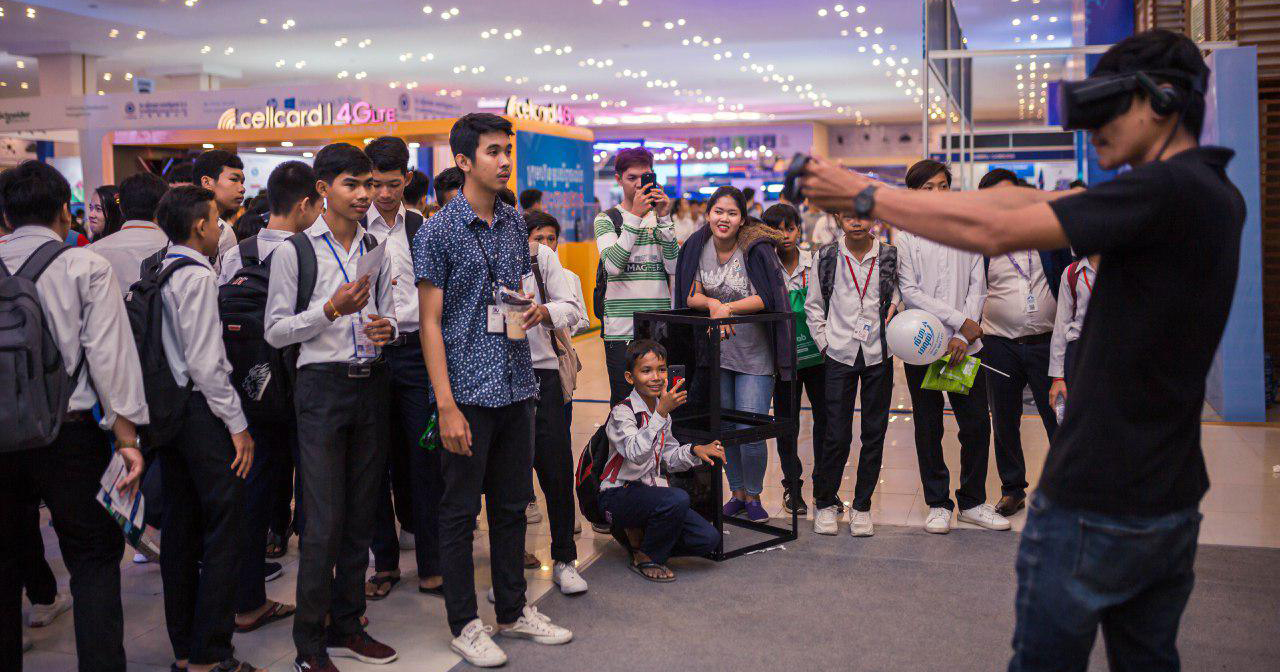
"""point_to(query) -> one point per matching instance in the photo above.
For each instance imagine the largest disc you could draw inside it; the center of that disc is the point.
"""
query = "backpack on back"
(602, 276)
(166, 400)
(33, 407)
(259, 372)
(593, 467)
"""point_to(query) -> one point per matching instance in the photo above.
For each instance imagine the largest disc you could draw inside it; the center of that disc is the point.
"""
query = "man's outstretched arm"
(992, 221)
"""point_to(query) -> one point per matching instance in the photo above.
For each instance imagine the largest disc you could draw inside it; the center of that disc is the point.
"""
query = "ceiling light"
(308, 155)
(822, 12)
(300, 65)
(229, 50)
(22, 64)
(426, 9)
(113, 33)
(206, 49)
(106, 76)
(263, 21)
(24, 85)
(31, 14)
(141, 35)
(1017, 22)
(861, 9)
(128, 76)
(260, 150)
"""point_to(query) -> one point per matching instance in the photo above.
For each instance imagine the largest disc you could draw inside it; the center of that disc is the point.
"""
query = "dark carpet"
(901, 600)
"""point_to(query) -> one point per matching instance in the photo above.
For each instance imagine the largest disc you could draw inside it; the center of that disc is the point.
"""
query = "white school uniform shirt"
(560, 303)
(798, 277)
(230, 261)
(584, 322)
(941, 280)
(127, 248)
(1005, 311)
(833, 329)
(82, 302)
(405, 290)
(226, 241)
(191, 334)
(639, 440)
(323, 341)
(1070, 315)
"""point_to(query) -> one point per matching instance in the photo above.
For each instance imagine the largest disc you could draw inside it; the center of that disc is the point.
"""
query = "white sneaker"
(531, 513)
(477, 647)
(984, 515)
(537, 627)
(567, 577)
(406, 540)
(860, 524)
(826, 520)
(140, 559)
(43, 614)
(938, 521)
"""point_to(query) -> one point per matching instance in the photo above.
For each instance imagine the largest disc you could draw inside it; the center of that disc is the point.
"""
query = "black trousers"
(553, 460)
(1026, 365)
(273, 440)
(414, 472)
(813, 381)
(500, 468)
(203, 537)
(615, 360)
(975, 437)
(283, 485)
(1069, 361)
(842, 391)
(342, 453)
(65, 474)
(37, 577)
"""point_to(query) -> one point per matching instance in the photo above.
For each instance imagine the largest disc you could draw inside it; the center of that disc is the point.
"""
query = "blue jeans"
(1078, 570)
(744, 464)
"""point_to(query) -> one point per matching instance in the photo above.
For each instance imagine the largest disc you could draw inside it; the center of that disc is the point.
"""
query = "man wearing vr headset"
(1111, 535)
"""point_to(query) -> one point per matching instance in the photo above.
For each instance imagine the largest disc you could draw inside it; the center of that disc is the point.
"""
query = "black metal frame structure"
(706, 423)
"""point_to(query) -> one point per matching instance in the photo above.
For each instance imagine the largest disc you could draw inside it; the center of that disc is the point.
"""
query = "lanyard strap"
(1026, 275)
(862, 289)
(488, 265)
(336, 258)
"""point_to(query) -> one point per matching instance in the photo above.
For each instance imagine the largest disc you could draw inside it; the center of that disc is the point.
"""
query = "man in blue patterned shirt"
(484, 387)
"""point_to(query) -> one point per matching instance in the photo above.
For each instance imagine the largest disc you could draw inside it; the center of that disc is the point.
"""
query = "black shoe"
(1011, 504)
(793, 502)
(272, 571)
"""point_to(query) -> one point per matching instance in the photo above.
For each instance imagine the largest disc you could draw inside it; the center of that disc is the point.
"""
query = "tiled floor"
(1242, 508)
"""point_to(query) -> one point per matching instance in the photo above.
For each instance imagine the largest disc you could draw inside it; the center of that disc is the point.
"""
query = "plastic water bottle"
(1060, 408)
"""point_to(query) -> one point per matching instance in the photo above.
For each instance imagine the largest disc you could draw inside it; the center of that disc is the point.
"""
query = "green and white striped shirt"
(639, 263)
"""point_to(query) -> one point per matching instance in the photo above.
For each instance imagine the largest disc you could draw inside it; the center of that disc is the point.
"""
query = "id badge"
(862, 328)
(661, 481)
(365, 349)
(494, 319)
(1031, 304)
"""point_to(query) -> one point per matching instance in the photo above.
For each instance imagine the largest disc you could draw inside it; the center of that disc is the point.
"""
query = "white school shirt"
(1070, 315)
(191, 334)
(230, 261)
(941, 280)
(1005, 311)
(322, 341)
(226, 241)
(560, 304)
(127, 248)
(798, 278)
(584, 322)
(833, 329)
(405, 290)
(639, 440)
(82, 302)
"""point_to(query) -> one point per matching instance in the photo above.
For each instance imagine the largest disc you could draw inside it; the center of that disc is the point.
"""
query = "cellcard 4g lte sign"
(323, 114)
(527, 109)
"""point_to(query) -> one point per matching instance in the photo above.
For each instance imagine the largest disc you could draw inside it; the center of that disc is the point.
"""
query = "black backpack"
(602, 276)
(34, 404)
(260, 373)
(166, 400)
(592, 469)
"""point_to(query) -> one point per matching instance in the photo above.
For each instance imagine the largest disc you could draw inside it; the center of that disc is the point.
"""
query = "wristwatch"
(136, 444)
(865, 202)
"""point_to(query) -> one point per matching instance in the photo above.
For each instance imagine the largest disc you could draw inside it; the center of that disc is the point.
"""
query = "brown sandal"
(278, 611)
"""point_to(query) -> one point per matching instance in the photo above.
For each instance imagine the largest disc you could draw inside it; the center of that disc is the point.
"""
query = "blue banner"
(562, 169)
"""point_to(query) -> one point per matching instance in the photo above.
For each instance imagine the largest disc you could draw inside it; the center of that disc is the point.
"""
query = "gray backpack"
(31, 410)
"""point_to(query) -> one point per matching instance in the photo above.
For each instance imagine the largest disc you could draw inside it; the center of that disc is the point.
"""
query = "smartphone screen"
(648, 180)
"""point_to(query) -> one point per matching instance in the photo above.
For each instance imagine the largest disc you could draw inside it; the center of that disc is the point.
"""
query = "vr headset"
(1088, 104)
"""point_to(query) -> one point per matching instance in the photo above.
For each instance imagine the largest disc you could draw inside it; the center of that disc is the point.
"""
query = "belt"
(74, 417)
(1034, 339)
(347, 370)
(404, 339)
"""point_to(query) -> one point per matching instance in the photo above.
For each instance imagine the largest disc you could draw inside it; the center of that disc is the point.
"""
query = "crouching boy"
(633, 494)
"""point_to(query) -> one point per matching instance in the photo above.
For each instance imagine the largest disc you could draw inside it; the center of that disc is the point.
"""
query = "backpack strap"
(306, 269)
(168, 271)
(249, 251)
(615, 216)
(39, 260)
(542, 290)
(412, 222)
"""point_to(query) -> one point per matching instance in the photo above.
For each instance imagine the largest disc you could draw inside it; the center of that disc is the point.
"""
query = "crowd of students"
(408, 388)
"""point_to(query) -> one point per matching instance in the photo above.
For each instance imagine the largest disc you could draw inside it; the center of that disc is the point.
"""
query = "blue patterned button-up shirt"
(484, 369)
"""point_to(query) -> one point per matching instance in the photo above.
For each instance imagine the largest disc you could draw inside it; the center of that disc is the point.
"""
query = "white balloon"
(916, 337)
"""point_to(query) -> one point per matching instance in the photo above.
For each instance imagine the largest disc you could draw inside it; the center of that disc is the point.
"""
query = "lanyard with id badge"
(361, 343)
(503, 306)
(1026, 277)
(863, 323)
